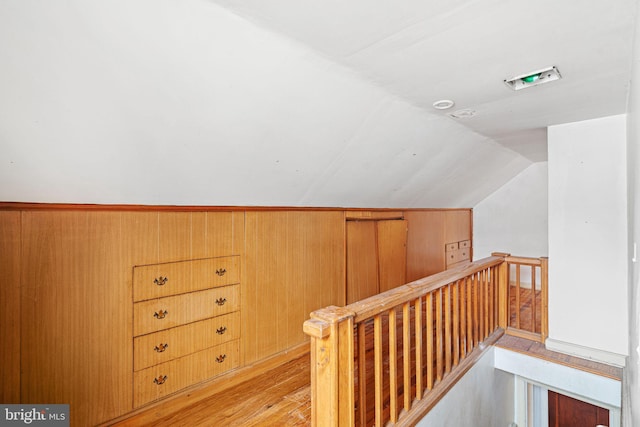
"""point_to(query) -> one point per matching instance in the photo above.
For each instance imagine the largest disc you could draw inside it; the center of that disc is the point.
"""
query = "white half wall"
(514, 219)
(482, 397)
(588, 236)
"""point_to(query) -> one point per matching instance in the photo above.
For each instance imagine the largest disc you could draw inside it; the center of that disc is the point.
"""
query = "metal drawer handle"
(160, 314)
(160, 380)
(221, 358)
(221, 330)
(221, 301)
(161, 347)
(160, 280)
(221, 271)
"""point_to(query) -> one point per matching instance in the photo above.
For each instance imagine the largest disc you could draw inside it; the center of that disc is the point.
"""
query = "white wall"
(588, 238)
(483, 397)
(631, 381)
(514, 218)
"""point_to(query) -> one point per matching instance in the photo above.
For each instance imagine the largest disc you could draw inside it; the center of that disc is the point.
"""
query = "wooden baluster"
(490, 299)
(476, 310)
(439, 344)
(447, 329)
(418, 332)
(463, 318)
(485, 299)
(456, 322)
(517, 290)
(377, 368)
(469, 286)
(393, 366)
(406, 353)
(533, 299)
(362, 372)
(429, 339)
(503, 291)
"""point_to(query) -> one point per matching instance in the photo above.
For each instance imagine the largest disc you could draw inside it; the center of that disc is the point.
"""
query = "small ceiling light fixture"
(463, 114)
(534, 78)
(443, 104)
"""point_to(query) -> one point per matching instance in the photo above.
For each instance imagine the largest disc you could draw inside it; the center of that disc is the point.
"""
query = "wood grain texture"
(295, 264)
(425, 243)
(76, 334)
(392, 253)
(362, 260)
(10, 306)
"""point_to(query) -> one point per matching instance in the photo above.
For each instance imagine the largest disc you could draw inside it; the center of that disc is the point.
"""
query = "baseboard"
(589, 353)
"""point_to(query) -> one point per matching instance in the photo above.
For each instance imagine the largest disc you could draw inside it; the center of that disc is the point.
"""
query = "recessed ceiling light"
(534, 78)
(463, 114)
(443, 104)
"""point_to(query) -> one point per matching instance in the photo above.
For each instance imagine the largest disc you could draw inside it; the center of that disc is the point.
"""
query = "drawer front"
(163, 379)
(164, 313)
(465, 244)
(452, 257)
(159, 347)
(451, 247)
(173, 278)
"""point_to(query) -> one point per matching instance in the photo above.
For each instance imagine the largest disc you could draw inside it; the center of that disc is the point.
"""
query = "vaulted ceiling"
(294, 102)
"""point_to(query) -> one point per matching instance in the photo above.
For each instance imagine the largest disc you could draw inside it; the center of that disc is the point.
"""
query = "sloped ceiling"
(292, 102)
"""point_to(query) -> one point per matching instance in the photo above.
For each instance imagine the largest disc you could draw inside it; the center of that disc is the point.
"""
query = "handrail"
(389, 358)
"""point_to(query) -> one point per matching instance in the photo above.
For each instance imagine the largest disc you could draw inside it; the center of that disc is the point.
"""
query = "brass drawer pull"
(221, 358)
(160, 314)
(221, 271)
(221, 330)
(161, 347)
(221, 301)
(160, 280)
(160, 380)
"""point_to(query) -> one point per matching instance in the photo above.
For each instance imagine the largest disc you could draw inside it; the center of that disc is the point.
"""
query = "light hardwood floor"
(279, 397)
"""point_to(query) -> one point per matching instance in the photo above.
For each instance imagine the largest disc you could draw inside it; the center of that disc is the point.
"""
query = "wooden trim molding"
(16, 206)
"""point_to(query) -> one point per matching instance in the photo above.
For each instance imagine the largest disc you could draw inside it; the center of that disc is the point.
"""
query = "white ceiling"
(293, 102)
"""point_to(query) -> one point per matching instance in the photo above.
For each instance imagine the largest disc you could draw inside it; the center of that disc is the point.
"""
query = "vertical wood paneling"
(362, 260)
(10, 306)
(425, 243)
(76, 335)
(174, 239)
(457, 225)
(294, 265)
(392, 253)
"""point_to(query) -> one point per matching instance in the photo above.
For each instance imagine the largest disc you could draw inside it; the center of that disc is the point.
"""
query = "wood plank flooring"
(279, 397)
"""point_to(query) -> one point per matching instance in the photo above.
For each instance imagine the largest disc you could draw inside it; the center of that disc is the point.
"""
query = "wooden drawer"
(173, 278)
(458, 255)
(164, 313)
(159, 347)
(449, 247)
(465, 244)
(160, 380)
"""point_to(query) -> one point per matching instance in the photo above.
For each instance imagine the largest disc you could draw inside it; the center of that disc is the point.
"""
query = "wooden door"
(392, 253)
(362, 260)
(565, 411)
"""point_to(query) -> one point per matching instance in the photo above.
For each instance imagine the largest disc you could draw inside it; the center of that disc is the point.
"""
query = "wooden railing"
(388, 359)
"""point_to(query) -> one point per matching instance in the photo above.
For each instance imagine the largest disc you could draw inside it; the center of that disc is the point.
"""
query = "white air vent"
(534, 78)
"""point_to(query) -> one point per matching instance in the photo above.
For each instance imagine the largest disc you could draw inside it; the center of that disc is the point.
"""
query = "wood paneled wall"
(294, 265)
(66, 314)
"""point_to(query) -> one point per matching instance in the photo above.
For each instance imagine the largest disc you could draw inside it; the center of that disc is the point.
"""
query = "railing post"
(332, 367)
(544, 298)
(503, 291)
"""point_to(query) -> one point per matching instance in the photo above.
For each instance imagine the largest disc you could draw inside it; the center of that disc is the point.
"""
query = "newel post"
(332, 366)
(503, 290)
(544, 289)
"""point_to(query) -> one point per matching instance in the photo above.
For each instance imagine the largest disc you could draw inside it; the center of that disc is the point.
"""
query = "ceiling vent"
(534, 78)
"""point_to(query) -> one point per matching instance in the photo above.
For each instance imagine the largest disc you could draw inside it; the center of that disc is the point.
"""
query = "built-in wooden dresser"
(186, 324)
(457, 253)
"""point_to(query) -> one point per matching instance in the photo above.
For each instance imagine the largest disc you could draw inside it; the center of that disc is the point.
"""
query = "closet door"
(362, 260)
(392, 253)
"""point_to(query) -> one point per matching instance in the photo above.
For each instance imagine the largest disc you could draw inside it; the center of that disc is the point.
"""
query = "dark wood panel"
(565, 411)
